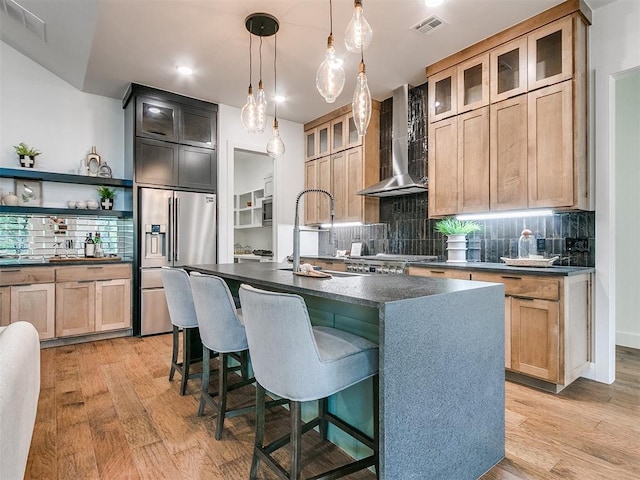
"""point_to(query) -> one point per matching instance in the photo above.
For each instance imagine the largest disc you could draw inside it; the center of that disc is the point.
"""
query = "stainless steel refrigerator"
(176, 228)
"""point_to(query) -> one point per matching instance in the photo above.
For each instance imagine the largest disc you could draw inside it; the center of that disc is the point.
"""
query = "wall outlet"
(541, 244)
(577, 244)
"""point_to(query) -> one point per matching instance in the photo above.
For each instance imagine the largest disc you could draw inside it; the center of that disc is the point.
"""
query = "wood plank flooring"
(107, 411)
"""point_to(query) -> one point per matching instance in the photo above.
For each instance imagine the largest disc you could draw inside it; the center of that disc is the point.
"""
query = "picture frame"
(29, 192)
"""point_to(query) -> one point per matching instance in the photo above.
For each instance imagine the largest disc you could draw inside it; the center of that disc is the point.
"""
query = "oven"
(267, 212)
(384, 264)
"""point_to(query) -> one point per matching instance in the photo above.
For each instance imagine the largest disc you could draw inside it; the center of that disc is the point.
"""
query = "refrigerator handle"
(170, 232)
(177, 229)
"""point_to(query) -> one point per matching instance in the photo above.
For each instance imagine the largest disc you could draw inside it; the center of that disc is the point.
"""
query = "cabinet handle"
(510, 277)
(436, 271)
(12, 270)
(94, 268)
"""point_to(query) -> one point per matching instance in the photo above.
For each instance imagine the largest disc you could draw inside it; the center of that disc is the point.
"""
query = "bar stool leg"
(259, 440)
(186, 360)
(296, 439)
(222, 392)
(174, 353)
(324, 408)
(206, 373)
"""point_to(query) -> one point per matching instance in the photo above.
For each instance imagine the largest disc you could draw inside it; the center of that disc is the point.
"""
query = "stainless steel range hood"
(401, 183)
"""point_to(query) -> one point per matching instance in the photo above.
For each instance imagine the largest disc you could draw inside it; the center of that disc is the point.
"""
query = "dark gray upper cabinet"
(173, 139)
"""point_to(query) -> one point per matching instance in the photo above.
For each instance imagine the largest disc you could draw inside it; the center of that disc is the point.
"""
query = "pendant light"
(358, 35)
(361, 106)
(249, 113)
(275, 147)
(330, 75)
(261, 100)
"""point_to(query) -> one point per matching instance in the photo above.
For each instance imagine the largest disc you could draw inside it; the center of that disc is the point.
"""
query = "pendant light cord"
(250, 60)
(275, 76)
(260, 59)
(330, 18)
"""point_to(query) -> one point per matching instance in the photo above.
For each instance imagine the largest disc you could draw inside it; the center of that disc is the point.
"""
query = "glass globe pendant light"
(261, 101)
(330, 76)
(249, 113)
(358, 34)
(361, 106)
(275, 147)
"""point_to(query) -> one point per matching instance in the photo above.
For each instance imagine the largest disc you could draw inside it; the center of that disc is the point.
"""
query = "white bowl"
(71, 204)
(92, 204)
(81, 204)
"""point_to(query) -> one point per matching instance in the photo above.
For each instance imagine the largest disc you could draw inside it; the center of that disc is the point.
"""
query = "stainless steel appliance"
(176, 228)
(383, 263)
(267, 212)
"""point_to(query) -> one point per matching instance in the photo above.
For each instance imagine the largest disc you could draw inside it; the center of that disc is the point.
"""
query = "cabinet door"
(324, 142)
(551, 168)
(443, 167)
(197, 168)
(442, 94)
(535, 345)
(35, 304)
(197, 127)
(551, 54)
(353, 138)
(310, 145)
(347, 179)
(508, 70)
(473, 161)
(113, 305)
(324, 182)
(508, 154)
(156, 162)
(310, 200)
(473, 83)
(75, 308)
(156, 119)
(338, 134)
(437, 272)
(5, 306)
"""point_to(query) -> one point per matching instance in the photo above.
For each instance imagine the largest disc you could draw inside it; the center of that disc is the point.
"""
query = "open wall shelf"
(63, 177)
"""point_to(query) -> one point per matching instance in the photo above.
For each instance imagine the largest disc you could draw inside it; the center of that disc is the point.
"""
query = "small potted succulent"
(106, 197)
(456, 232)
(27, 154)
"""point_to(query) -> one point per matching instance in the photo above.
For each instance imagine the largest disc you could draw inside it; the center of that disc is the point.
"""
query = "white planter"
(456, 248)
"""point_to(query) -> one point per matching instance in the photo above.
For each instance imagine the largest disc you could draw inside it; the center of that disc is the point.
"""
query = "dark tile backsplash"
(405, 229)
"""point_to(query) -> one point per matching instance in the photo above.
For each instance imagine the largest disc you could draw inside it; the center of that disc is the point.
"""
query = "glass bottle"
(527, 244)
(89, 246)
(99, 250)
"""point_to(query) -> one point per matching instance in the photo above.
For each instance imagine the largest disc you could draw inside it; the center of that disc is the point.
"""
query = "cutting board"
(84, 259)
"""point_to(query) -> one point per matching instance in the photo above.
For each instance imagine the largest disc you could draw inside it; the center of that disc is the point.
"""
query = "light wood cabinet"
(551, 54)
(442, 94)
(508, 154)
(547, 321)
(5, 306)
(443, 167)
(473, 83)
(35, 304)
(325, 264)
(75, 308)
(352, 166)
(473, 161)
(508, 70)
(317, 143)
(113, 304)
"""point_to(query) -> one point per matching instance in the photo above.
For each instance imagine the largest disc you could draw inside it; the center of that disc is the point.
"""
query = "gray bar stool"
(303, 363)
(177, 290)
(222, 331)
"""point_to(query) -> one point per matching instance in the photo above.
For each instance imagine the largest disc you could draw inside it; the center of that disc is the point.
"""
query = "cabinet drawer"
(92, 272)
(439, 273)
(26, 275)
(527, 286)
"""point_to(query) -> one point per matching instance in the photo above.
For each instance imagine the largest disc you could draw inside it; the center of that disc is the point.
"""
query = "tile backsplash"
(47, 235)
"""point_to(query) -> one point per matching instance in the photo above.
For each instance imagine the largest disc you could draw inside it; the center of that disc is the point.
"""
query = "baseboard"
(57, 342)
(625, 339)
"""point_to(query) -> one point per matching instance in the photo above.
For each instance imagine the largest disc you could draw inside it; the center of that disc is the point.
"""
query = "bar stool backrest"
(284, 354)
(177, 290)
(221, 329)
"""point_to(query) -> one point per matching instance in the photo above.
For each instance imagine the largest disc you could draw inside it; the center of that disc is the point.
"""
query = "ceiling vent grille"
(25, 17)
(429, 24)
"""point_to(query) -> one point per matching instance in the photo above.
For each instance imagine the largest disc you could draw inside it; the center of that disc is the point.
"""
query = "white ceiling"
(100, 46)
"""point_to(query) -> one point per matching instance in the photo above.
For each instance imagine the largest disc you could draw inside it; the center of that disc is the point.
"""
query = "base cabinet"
(113, 304)
(75, 308)
(35, 304)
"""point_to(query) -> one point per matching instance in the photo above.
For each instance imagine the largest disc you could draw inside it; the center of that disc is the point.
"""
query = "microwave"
(267, 212)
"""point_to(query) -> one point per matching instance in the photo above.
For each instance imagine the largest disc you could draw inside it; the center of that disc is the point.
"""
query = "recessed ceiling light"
(182, 70)
(279, 98)
(433, 3)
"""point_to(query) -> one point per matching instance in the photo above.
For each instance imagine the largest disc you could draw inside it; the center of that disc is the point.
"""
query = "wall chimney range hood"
(401, 183)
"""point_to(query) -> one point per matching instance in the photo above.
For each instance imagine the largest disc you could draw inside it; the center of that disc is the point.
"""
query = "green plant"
(24, 149)
(106, 192)
(451, 226)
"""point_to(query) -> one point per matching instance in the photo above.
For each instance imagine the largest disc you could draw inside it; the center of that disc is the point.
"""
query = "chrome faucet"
(296, 225)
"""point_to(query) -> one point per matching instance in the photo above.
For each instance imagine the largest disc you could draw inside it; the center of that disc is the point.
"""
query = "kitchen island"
(441, 341)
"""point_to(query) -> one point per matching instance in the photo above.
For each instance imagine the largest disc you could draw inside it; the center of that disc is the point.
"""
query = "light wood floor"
(107, 411)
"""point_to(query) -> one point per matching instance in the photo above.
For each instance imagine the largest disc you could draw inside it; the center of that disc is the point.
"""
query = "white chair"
(302, 363)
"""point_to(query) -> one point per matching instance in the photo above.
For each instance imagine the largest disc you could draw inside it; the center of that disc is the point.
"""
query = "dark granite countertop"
(324, 257)
(368, 290)
(502, 268)
(32, 262)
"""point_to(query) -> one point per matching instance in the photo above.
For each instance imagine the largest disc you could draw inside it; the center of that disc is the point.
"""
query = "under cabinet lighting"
(511, 214)
(345, 224)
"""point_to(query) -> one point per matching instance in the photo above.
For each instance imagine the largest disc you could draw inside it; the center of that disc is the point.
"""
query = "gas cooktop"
(384, 263)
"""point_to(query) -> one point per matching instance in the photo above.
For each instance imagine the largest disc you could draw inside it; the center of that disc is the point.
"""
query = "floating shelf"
(67, 211)
(63, 177)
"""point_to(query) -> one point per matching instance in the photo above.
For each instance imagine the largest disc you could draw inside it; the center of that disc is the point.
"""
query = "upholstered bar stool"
(222, 331)
(177, 290)
(303, 363)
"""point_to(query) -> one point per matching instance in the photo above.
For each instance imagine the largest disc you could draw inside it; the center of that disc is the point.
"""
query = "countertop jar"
(527, 244)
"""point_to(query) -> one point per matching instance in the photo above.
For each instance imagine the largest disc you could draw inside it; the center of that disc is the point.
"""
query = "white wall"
(288, 178)
(614, 47)
(47, 113)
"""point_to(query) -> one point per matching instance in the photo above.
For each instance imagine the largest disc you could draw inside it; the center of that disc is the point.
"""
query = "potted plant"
(456, 232)
(27, 154)
(106, 197)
